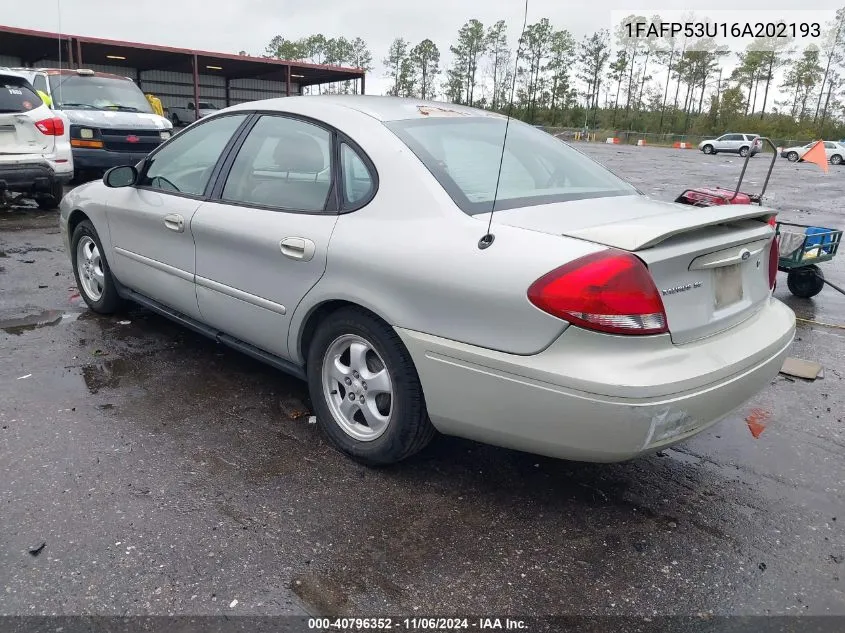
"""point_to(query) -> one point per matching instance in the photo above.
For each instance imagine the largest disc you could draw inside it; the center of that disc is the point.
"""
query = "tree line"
(609, 80)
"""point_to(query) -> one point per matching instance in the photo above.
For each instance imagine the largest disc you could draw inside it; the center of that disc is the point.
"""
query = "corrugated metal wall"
(175, 89)
(8, 60)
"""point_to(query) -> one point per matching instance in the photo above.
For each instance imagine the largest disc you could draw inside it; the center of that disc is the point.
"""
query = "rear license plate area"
(728, 282)
(7, 136)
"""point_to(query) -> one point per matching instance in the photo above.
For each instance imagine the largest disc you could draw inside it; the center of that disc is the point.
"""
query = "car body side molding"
(221, 337)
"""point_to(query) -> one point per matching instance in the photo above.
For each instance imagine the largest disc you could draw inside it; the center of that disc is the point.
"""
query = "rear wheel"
(836, 159)
(175, 120)
(47, 201)
(708, 149)
(743, 151)
(792, 157)
(805, 282)
(365, 389)
(92, 272)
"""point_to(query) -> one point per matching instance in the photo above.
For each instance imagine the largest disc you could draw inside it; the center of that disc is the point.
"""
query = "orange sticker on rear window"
(27, 105)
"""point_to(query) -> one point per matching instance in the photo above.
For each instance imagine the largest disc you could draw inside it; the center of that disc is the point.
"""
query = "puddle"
(107, 374)
(41, 319)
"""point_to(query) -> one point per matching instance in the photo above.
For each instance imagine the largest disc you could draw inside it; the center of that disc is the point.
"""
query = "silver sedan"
(423, 279)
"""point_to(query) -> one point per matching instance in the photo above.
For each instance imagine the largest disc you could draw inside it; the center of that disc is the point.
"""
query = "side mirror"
(123, 176)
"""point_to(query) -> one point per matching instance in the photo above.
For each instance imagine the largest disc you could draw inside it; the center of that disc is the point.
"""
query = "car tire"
(48, 201)
(349, 348)
(792, 157)
(91, 270)
(174, 120)
(836, 159)
(805, 282)
(743, 151)
(708, 149)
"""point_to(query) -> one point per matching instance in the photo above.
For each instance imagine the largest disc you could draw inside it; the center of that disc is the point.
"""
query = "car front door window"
(185, 164)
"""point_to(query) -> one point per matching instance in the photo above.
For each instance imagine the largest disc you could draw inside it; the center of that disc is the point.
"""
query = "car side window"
(284, 163)
(357, 179)
(185, 164)
(40, 83)
(829, 145)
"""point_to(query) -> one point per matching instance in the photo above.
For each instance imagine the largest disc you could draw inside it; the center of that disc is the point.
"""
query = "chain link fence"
(630, 137)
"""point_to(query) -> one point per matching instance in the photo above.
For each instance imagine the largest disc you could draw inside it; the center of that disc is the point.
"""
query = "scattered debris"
(124, 322)
(233, 603)
(99, 352)
(293, 408)
(22, 377)
(837, 559)
(35, 550)
(806, 369)
(756, 421)
(312, 419)
(762, 566)
(42, 286)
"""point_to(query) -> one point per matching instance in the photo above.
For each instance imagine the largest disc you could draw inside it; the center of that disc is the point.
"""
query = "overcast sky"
(249, 24)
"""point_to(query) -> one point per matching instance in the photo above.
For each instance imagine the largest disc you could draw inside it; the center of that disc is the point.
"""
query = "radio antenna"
(487, 239)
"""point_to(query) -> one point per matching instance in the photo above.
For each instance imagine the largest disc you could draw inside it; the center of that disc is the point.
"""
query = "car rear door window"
(185, 164)
(17, 95)
(357, 180)
(285, 164)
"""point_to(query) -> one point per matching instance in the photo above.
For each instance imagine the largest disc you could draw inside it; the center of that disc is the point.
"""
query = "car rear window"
(17, 95)
(463, 154)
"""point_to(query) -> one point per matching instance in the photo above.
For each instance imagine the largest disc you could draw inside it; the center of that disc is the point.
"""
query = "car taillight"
(51, 127)
(610, 291)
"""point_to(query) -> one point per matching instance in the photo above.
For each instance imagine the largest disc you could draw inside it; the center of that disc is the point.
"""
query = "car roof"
(379, 107)
(8, 72)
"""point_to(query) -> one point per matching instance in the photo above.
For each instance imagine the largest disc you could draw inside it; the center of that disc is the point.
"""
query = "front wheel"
(365, 389)
(174, 120)
(92, 272)
(792, 157)
(743, 151)
(805, 282)
(708, 149)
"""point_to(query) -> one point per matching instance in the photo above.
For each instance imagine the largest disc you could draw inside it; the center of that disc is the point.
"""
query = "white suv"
(35, 155)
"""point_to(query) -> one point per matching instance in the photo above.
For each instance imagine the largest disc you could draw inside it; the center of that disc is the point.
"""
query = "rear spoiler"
(642, 233)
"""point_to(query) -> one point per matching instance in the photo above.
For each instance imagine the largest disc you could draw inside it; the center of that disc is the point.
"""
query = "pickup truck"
(186, 116)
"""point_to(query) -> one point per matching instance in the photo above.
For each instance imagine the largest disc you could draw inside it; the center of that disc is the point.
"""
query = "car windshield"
(17, 95)
(205, 105)
(463, 154)
(97, 93)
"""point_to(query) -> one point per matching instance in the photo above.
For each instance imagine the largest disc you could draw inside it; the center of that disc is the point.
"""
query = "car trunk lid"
(20, 106)
(19, 135)
(709, 264)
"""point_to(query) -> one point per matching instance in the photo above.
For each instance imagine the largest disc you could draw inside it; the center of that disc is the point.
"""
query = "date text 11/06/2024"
(723, 29)
(416, 624)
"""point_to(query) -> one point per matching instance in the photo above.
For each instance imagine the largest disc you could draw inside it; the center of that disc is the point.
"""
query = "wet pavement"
(166, 474)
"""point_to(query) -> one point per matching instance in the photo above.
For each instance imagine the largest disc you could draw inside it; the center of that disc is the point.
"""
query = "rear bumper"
(30, 177)
(102, 159)
(591, 397)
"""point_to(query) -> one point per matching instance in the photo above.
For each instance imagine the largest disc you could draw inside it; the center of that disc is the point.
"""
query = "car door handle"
(297, 248)
(175, 222)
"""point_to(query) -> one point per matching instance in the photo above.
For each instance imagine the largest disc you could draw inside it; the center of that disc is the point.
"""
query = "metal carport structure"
(172, 73)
